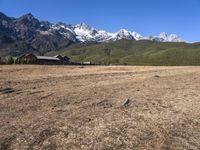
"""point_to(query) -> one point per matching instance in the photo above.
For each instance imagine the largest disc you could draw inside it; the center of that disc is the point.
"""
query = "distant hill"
(143, 52)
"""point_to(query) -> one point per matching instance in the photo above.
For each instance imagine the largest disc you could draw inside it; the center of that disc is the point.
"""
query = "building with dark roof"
(43, 60)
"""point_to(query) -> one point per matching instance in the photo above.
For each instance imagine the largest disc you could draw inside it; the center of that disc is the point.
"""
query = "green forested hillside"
(135, 53)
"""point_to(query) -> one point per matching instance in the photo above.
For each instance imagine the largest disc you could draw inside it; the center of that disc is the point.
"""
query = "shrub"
(9, 60)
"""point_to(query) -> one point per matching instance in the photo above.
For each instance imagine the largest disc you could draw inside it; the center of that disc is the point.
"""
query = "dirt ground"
(72, 108)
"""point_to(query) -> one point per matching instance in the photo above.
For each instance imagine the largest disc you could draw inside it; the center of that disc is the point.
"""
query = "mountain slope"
(23, 35)
(143, 52)
(28, 34)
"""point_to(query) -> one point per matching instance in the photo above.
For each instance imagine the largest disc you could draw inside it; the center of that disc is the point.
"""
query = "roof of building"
(47, 58)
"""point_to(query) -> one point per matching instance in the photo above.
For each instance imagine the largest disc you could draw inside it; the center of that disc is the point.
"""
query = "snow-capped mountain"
(27, 33)
(27, 27)
(84, 33)
(169, 38)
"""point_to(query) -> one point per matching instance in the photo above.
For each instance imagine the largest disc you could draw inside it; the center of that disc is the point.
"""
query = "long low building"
(43, 60)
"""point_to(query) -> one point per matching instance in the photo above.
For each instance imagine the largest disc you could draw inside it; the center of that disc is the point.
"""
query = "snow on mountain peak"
(123, 31)
(84, 33)
(124, 34)
(169, 37)
(83, 26)
(137, 36)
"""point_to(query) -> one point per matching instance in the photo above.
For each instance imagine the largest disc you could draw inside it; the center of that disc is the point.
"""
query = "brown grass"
(69, 107)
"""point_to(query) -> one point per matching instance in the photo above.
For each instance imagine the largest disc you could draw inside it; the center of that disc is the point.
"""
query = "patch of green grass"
(135, 53)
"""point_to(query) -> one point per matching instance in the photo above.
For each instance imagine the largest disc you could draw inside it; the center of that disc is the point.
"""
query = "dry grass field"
(72, 108)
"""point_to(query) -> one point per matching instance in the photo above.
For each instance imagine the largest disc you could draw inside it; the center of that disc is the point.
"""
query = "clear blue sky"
(148, 17)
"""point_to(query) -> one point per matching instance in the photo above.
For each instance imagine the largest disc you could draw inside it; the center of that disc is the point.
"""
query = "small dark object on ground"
(126, 102)
(6, 90)
(157, 76)
(35, 92)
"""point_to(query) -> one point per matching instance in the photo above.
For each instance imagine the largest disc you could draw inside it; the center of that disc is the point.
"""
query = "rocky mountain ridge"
(28, 34)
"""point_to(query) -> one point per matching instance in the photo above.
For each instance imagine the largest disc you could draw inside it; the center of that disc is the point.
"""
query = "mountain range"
(85, 33)
(28, 34)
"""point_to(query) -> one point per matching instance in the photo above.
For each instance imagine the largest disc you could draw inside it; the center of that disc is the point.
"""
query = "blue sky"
(148, 17)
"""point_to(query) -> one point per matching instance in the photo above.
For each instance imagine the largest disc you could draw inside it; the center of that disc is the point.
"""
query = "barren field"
(72, 107)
